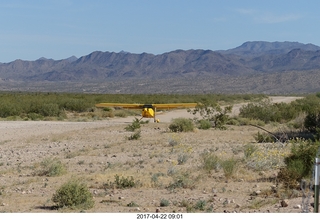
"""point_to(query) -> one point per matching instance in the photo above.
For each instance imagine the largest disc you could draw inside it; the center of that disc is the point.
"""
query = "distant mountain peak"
(250, 48)
(43, 58)
(71, 59)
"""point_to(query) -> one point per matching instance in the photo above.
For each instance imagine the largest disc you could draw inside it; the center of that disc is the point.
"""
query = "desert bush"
(122, 182)
(211, 111)
(164, 203)
(267, 111)
(229, 167)
(181, 180)
(204, 124)
(182, 158)
(312, 121)
(181, 125)
(200, 205)
(135, 136)
(299, 163)
(73, 194)
(133, 126)
(210, 162)
(35, 116)
(51, 167)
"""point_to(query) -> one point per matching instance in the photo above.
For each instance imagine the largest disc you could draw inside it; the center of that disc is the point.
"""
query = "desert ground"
(94, 151)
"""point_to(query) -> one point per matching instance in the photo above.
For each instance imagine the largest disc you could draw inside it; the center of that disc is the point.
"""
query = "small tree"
(214, 113)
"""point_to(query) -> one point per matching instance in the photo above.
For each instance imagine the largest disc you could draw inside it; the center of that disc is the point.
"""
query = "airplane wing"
(174, 105)
(140, 106)
(122, 105)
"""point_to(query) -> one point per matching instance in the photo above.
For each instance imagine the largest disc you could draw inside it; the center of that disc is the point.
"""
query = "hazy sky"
(58, 29)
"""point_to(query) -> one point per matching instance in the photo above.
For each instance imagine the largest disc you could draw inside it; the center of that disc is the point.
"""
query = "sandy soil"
(96, 151)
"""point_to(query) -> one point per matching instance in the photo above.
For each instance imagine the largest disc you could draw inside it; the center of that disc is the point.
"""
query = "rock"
(255, 193)
(297, 207)
(157, 210)
(284, 203)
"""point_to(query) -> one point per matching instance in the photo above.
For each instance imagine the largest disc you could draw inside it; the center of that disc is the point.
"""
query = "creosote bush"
(73, 194)
(181, 125)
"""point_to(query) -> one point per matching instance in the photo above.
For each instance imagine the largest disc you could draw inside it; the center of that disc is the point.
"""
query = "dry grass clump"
(51, 167)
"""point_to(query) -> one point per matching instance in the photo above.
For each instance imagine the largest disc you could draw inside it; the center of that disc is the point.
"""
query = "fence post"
(316, 185)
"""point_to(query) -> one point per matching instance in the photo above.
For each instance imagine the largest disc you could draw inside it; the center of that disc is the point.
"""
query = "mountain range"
(253, 67)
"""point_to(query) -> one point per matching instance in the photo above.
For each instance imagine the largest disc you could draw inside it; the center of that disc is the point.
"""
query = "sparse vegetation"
(51, 167)
(122, 182)
(38, 106)
(196, 163)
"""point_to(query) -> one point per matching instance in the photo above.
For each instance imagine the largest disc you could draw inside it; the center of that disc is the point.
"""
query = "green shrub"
(182, 158)
(134, 125)
(135, 136)
(312, 121)
(121, 183)
(164, 203)
(182, 180)
(181, 125)
(73, 195)
(210, 162)
(211, 111)
(229, 167)
(299, 164)
(267, 111)
(200, 205)
(52, 167)
(35, 116)
(124, 182)
(204, 124)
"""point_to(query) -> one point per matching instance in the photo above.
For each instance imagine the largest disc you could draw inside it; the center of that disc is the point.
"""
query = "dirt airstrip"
(96, 151)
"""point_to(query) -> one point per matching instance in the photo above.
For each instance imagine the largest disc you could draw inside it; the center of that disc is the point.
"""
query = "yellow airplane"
(148, 110)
